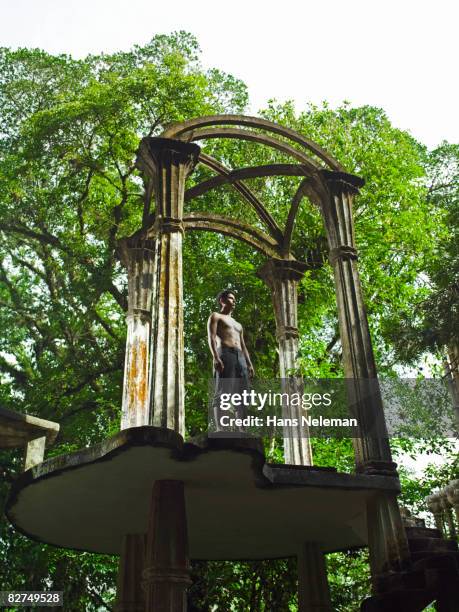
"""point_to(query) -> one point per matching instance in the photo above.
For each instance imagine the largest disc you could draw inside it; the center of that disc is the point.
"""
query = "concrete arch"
(245, 173)
(181, 131)
(269, 141)
(228, 226)
(247, 194)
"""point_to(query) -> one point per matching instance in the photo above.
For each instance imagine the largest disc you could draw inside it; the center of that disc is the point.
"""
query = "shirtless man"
(226, 341)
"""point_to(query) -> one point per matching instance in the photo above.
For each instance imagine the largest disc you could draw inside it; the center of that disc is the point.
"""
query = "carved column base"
(313, 590)
(381, 468)
(167, 573)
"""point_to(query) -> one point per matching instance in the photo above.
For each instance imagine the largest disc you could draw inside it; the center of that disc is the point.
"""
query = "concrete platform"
(238, 507)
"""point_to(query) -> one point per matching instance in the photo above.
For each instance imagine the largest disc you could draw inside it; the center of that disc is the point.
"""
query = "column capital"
(127, 248)
(339, 182)
(282, 269)
(167, 225)
(342, 252)
(154, 152)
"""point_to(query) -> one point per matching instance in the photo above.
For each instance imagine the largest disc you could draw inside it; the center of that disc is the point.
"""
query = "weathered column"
(313, 589)
(35, 451)
(167, 573)
(282, 278)
(137, 256)
(387, 538)
(129, 594)
(372, 447)
(167, 162)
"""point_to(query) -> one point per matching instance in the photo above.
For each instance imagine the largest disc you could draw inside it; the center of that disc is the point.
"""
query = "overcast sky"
(399, 55)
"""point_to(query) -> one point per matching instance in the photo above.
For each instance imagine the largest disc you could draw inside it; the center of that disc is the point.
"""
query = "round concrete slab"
(238, 507)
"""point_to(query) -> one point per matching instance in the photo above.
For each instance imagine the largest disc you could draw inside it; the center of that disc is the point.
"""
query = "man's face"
(229, 301)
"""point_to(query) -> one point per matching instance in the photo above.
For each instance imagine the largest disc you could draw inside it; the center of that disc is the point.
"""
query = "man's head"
(227, 300)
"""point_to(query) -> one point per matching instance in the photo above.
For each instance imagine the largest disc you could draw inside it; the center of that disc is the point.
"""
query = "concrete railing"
(23, 430)
(444, 505)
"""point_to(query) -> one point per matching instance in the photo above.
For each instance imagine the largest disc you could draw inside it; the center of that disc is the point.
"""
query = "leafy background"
(69, 130)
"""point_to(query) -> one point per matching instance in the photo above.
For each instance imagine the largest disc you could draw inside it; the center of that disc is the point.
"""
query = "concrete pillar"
(167, 163)
(282, 278)
(138, 257)
(35, 451)
(167, 572)
(313, 589)
(387, 538)
(130, 596)
(387, 541)
(372, 447)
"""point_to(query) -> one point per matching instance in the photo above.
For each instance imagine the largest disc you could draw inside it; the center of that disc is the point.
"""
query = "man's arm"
(212, 325)
(247, 356)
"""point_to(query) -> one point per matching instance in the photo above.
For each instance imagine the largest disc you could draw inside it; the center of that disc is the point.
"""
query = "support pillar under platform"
(313, 589)
(130, 597)
(167, 570)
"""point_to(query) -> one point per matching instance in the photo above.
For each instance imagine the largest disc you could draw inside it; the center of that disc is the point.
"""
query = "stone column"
(35, 451)
(137, 256)
(372, 447)
(282, 278)
(129, 595)
(313, 589)
(387, 538)
(167, 573)
(167, 162)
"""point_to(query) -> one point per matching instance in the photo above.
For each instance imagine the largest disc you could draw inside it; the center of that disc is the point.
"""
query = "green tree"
(433, 322)
(68, 136)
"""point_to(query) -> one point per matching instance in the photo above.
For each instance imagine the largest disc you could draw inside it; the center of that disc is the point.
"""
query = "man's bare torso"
(228, 331)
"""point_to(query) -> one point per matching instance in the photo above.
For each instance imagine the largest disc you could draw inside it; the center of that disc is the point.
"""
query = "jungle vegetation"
(69, 130)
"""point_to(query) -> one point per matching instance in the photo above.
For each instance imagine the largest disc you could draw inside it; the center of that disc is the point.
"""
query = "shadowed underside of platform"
(238, 507)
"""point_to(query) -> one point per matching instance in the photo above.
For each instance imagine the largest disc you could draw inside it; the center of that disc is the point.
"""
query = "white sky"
(400, 55)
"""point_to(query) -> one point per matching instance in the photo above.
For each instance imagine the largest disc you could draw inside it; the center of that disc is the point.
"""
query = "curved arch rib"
(247, 194)
(290, 224)
(178, 129)
(239, 134)
(234, 228)
(245, 173)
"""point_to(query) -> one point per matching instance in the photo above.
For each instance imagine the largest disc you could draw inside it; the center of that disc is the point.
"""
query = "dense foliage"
(68, 135)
